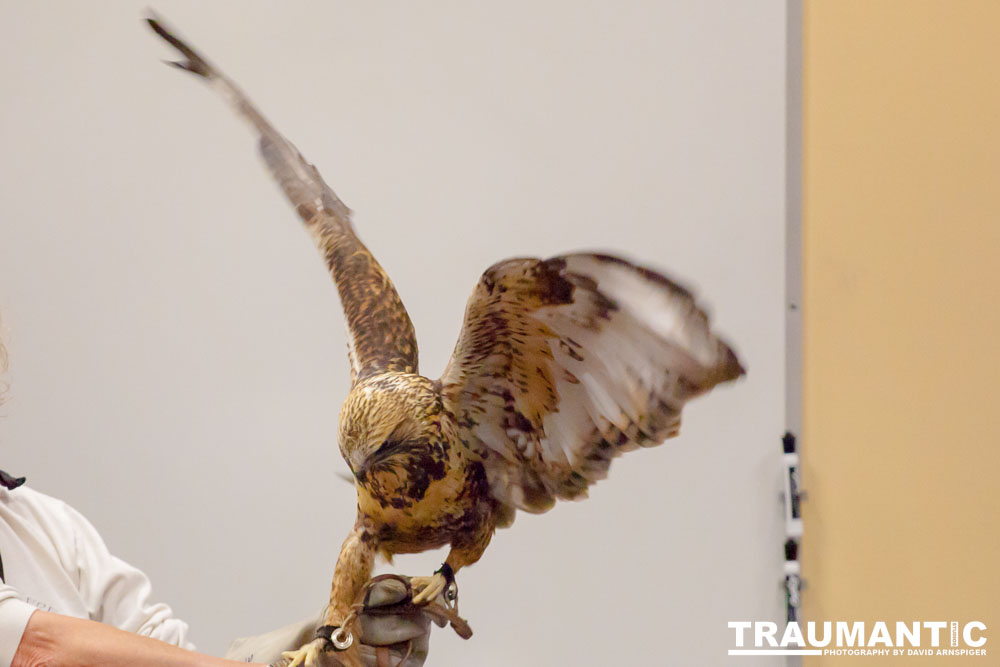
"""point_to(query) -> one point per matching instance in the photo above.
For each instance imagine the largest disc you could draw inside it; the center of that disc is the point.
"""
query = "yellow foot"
(426, 589)
(307, 656)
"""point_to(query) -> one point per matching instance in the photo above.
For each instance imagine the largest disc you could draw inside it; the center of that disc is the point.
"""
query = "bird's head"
(386, 417)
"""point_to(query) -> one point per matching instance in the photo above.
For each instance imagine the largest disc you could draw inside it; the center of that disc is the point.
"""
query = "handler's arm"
(54, 640)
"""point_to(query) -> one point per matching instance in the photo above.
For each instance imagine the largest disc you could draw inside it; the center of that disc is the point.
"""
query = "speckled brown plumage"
(561, 365)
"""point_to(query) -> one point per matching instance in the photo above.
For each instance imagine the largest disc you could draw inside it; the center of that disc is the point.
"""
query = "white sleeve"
(14, 615)
(117, 593)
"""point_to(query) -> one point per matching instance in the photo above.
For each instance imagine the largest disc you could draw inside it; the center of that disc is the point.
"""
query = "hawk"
(561, 365)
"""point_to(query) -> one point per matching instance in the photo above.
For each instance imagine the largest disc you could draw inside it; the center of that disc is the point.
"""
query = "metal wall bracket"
(792, 497)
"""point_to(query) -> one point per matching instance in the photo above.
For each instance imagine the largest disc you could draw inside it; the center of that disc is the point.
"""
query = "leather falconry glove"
(394, 632)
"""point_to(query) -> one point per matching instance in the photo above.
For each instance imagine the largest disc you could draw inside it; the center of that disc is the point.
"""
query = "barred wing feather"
(562, 364)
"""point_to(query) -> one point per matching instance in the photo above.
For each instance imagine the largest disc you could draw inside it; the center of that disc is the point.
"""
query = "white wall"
(177, 349)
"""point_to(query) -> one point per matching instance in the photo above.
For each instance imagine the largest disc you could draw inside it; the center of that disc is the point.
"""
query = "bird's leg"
(466, 552)
(354, 568)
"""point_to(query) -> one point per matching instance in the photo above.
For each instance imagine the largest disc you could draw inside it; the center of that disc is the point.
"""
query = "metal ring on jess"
(342, 639)
(339, 636)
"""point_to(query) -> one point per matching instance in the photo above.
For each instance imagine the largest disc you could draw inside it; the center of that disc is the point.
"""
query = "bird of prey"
(561, 365)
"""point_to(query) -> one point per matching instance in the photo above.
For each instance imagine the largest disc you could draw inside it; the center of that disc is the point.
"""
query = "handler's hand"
(397, 633)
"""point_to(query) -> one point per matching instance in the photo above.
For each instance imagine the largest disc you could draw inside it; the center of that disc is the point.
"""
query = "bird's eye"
(385, 447)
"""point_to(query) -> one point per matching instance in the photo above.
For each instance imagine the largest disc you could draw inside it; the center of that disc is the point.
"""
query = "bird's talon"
(427, 589)
(307, 656)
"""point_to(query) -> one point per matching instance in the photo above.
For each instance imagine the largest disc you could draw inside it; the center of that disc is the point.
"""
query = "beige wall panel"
(902, 323)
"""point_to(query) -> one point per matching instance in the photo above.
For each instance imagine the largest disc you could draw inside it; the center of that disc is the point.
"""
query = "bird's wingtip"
(151, 16)
(194, 63)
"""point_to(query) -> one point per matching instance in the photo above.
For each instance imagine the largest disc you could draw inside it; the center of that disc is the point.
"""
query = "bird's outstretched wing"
(380, 334)
(563, 364)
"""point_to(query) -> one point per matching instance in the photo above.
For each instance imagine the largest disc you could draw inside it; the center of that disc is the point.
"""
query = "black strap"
(448, 574)
(9, 481)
